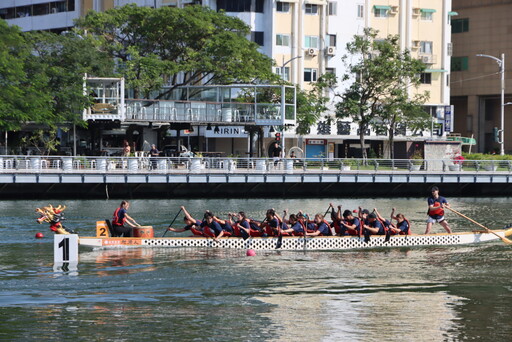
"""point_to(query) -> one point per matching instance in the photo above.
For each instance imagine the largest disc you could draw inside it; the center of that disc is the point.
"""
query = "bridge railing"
(145, 164)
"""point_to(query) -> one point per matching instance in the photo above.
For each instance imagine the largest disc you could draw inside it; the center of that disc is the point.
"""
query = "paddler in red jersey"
(120, 217)
(435, 213)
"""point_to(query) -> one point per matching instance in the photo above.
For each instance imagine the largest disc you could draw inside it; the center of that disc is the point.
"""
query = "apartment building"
(482, 28)
(307, 38)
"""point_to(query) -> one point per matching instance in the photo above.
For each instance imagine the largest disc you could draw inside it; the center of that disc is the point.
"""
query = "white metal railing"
(142, 164)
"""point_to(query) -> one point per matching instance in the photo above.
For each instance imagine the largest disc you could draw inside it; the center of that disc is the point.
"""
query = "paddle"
(504, 239)
(175, 217)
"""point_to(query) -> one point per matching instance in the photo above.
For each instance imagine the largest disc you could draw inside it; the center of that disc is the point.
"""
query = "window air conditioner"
(311, 52)
(331, 51)
(426, 59)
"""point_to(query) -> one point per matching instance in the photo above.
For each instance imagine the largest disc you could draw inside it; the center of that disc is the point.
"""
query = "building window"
(311, 42)
(381, 11)
(311, 9)
(257, 37)
(331, 39)
(426, 48)
(330, 71)
(282, 6)
(310, 75)
(426, 78)
(282, 40)
(286, 75)
(332, 9)
(360, 11)
(460, 25)
(240, 5)
(459, 63)
(427, 14)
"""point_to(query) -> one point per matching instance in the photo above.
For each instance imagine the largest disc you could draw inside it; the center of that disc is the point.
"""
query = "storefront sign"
(316, 141)
(448, 119)
(226, 132)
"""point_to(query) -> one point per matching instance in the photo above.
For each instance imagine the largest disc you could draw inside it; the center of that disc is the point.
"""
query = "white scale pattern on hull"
(317, 243)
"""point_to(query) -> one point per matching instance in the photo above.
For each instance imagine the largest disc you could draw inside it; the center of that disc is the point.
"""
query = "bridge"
(101, 177)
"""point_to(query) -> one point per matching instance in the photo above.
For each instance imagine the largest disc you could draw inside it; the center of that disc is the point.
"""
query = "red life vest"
(115, 218)
(438, 211)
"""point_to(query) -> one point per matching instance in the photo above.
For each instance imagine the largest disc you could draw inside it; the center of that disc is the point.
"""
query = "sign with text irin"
(226, 132)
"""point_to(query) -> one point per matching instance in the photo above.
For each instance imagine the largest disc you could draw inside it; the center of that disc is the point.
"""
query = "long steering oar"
(175, 217)
(504, 239)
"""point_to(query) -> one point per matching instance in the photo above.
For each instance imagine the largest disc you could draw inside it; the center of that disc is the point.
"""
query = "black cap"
(365, 211)
(372, 216)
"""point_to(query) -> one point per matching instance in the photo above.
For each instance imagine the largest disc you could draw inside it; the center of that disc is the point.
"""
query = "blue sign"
(448, 119)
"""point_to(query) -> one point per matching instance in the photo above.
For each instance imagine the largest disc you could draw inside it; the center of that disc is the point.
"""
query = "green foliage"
(41, 76)
(64, 60)
(45, 141)
(178, 46)
(483, 156)
(313, 103)
(379, 93)
(23, 95)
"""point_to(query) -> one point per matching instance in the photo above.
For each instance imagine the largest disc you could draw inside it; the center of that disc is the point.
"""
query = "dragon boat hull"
(298, 243)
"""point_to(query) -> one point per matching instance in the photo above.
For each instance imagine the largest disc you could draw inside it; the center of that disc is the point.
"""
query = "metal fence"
(145, 164)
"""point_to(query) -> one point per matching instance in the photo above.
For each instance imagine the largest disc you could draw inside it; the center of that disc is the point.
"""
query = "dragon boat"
(297, 243)
(144, 238)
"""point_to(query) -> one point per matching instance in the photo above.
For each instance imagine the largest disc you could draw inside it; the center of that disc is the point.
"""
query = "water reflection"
(418, 294)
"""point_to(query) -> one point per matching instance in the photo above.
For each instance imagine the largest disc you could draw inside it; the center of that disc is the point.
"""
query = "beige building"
(481, 27)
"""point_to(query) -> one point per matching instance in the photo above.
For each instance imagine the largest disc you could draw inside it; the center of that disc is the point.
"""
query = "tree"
(379, 92)
(23, 94)
(64, 60)
(311, 104)
(177, 46)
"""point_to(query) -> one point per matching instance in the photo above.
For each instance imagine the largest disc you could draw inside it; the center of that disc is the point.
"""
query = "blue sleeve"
(198, 223)
(245, 224)
(357, 222)
(404, 226)
(273, 223)
(298, 228)
(430, 201)
(216, 226)
(323, 229)
(442, 200)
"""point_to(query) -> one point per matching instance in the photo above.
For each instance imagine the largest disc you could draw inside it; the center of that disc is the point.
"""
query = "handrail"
(200, 164)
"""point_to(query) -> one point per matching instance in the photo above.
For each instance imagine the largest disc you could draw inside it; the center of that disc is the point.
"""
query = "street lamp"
(282, 98)
(284, 64)
(501, 65)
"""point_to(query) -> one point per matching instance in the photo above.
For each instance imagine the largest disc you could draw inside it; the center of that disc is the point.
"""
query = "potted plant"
(347, 164)
(489, 165)
(458, 160)
(416, 161)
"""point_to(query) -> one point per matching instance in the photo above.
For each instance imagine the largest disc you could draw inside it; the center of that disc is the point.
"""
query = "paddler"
(436, 205)
(374, 226)
(190, 224)
(319, 226)
(120, 217)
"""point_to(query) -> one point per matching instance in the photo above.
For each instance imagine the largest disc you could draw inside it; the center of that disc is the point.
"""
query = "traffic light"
(496, 134)
(278, 136)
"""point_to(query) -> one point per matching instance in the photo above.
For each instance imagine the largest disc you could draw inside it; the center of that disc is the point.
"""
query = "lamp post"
(501, 65)
(284, 64)
(282, 99)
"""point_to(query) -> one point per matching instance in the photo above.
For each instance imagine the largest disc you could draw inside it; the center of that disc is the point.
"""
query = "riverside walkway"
(100, 177)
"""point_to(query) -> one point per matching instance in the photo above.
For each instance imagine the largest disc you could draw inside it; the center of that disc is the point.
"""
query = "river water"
(409, 294)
